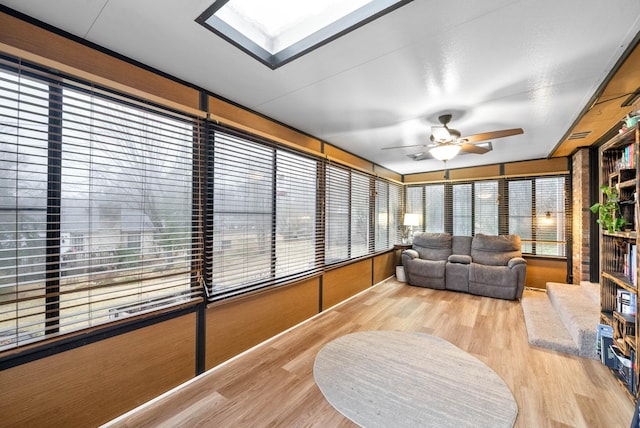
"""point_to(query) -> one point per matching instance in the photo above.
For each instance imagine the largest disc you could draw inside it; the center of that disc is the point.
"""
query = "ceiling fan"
(446, 142)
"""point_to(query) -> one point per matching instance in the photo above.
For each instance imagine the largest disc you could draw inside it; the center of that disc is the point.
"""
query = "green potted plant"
(609, 210)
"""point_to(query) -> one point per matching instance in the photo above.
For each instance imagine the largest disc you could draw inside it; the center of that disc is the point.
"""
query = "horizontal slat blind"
(462, 209)
(96, 206)
(337, 212)
(395, 212)
(360, 214)
(381, 218)
(435, 208)
(387, 212)
(538, 208)
(428, 201)
(264, 214)
(486, 203)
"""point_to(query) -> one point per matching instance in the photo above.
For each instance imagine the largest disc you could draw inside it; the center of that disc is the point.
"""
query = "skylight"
(278, 31)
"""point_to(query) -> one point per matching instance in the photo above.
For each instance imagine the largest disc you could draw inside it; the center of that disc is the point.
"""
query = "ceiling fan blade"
(477, 149)
(404, 147)
(493, 135)
(440, 133)
(421, 156)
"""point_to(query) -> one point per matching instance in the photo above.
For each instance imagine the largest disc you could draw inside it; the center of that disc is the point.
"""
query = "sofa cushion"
(457, 276)
(495, 250)
(426, 273)
(432, 246)
(461, 245)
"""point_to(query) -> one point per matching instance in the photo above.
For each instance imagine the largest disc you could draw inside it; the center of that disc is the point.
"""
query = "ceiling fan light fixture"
(445, 152)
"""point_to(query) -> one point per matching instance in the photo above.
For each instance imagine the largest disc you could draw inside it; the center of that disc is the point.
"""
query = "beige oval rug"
(410, 379)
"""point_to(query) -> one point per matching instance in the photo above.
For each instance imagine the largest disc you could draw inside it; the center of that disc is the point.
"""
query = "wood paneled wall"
(241, 323)
(92, 384)
(384, 266)
(237, 325)
(541, 270)
(341, 283)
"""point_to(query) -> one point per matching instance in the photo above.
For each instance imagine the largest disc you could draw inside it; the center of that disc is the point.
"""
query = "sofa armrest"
(412, 254)
(459, 258)
(516, 261)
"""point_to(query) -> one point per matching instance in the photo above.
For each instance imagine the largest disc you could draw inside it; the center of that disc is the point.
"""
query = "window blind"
(462, 209)
(486, 202)
(395, 212)
(538, 209)
(263, 214)
(95, 204)
(347, 214)
(360, 214)
(381, 215)
(337, 212)
(414, 204)
(387, 211)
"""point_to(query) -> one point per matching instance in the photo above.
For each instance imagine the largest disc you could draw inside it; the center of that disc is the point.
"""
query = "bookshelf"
(619, 260)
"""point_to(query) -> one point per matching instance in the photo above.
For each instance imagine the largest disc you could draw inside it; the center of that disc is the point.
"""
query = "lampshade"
(411, 220)
(444, 152)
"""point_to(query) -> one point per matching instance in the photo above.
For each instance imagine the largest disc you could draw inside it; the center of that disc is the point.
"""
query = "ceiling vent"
(579, 135)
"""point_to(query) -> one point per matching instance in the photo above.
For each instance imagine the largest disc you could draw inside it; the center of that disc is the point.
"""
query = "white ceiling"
(493, 64)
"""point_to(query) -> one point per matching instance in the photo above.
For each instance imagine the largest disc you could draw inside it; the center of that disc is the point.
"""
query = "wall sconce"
(409, 221)
(547, 218)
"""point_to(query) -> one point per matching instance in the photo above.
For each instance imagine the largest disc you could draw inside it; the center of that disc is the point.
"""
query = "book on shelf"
(626, 302)
(630, 264)
(627, 160)
(623, 366)
(632, 375)
(604, 330)
(607, 356)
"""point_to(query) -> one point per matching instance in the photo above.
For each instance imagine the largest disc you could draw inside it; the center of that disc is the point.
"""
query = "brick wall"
(581, 214)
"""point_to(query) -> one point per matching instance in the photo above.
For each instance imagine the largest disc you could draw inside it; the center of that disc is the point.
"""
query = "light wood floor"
(273, 384)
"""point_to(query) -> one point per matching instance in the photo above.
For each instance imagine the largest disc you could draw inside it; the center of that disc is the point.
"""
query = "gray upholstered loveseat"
(486, 265)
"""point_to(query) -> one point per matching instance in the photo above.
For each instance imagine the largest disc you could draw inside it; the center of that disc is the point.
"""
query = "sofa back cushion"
(432, 246)
(495, 250)
(461, 245)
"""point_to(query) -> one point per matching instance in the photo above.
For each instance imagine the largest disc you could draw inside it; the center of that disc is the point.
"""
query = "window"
(533, 207)
(279, 31)
(537, 212)
(360, 214)
(434, 197)
(264, 214)
(462, 210)
(485, 205)
(337, 224)
(347, 223)
(414, 205)
(387, 214)
(95, 207)
(428, 202)
(520, 212)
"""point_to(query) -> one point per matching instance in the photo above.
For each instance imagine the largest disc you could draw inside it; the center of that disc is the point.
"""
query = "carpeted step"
(592, 289)
(544, 326)
(579, 311)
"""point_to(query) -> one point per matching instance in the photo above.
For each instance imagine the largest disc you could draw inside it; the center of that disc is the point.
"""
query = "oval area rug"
(411, 379)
